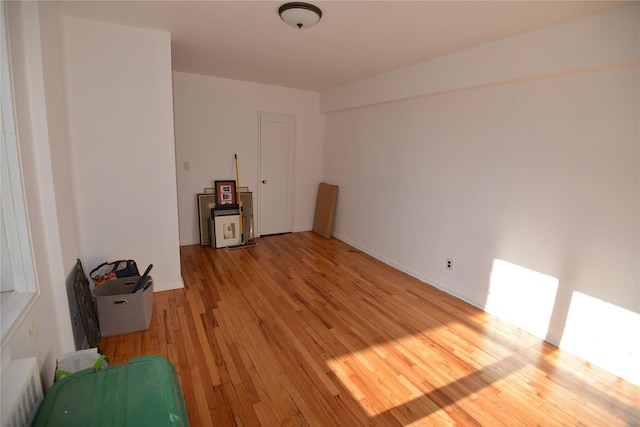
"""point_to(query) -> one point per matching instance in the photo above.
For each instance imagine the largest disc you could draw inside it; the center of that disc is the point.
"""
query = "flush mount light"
(299, 14)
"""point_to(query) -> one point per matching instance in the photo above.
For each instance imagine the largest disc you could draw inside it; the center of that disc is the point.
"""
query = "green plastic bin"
(144, 392)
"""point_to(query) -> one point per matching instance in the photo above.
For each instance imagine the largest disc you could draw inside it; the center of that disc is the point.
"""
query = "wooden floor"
(302, 330)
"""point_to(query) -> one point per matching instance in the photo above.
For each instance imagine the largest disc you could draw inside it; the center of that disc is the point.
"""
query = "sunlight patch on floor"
(365, 373)
(605, 335)
(522, 297)
(381, 385)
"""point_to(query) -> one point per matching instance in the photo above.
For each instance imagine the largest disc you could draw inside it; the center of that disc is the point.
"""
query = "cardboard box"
(119, 310)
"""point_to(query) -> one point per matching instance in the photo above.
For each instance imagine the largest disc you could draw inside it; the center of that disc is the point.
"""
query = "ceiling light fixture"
(299, 14)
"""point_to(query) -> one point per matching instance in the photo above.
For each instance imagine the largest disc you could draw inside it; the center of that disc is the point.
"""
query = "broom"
(243, 242)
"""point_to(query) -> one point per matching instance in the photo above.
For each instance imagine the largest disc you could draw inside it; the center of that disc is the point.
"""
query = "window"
(18, 288)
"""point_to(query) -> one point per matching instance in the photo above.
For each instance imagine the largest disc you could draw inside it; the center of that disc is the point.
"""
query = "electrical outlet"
(449, 264)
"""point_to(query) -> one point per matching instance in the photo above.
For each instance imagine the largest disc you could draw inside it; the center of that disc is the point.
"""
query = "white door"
(276, 143)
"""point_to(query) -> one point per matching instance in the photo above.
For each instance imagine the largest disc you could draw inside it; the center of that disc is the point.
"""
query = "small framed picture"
(226, 194)
(227, 229)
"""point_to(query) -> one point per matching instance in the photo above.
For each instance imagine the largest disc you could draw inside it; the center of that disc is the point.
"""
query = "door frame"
(292, 165)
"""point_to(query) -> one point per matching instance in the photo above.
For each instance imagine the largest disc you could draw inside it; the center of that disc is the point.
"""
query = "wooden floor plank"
(305, 331)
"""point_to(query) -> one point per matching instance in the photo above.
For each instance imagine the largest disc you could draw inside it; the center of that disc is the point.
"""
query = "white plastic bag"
(76, 361)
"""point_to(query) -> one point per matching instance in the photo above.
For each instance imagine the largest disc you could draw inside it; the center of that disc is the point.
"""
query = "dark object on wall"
(85, 304)
(325, 209)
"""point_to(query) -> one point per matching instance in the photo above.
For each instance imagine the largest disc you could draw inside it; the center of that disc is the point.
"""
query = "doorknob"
(264, 181)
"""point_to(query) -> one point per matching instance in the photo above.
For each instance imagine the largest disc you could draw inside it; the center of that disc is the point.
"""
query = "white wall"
(121, 131)
(535, 165)
(582, 45)
(216, 118)
(45, 331)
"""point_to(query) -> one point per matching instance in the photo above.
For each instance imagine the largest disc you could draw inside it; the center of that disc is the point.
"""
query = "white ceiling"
(246, 40)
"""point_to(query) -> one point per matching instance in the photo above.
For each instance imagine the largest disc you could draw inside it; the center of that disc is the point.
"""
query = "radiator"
(21, 392)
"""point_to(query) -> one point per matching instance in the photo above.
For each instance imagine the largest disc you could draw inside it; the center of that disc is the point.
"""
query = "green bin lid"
(144, 392)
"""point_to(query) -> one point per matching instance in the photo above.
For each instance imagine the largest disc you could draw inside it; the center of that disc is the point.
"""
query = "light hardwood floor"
(302, 330)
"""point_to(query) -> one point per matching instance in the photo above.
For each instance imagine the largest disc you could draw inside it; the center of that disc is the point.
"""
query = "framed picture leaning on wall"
(226, 194)
(206, 202)
(227, 230)
(246, 199)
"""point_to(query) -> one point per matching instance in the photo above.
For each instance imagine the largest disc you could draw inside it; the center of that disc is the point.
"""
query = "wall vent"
(21, 392)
